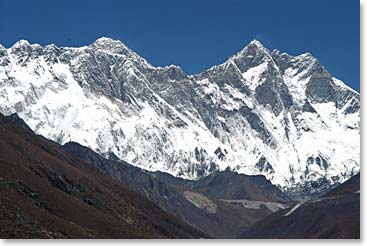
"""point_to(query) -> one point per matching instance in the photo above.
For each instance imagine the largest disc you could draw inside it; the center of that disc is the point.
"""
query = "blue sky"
(195, 34)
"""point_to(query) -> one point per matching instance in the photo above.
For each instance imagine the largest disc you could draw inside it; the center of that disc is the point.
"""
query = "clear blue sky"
(195, 34)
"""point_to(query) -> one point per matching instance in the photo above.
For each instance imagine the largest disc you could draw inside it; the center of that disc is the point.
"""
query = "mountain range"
(258, 113)
(96, 142)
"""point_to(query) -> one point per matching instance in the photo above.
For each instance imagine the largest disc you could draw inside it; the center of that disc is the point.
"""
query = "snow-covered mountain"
(260, 112)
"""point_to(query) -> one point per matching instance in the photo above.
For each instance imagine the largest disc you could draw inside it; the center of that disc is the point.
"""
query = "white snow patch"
(293, 209)
(253, 75)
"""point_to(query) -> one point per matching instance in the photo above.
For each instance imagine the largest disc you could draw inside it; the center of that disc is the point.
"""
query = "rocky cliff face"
(260, 112)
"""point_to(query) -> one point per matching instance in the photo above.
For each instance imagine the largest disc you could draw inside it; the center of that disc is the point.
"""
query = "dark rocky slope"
(352, 185)
(199, 203)
(233, 186)
(336, 215)
(47, 193)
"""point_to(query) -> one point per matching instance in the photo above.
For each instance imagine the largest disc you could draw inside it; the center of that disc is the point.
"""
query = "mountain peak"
(253, 48)
(115, 46)
(257, 43)
(20, 43)
(307, 56)
(105, 42)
